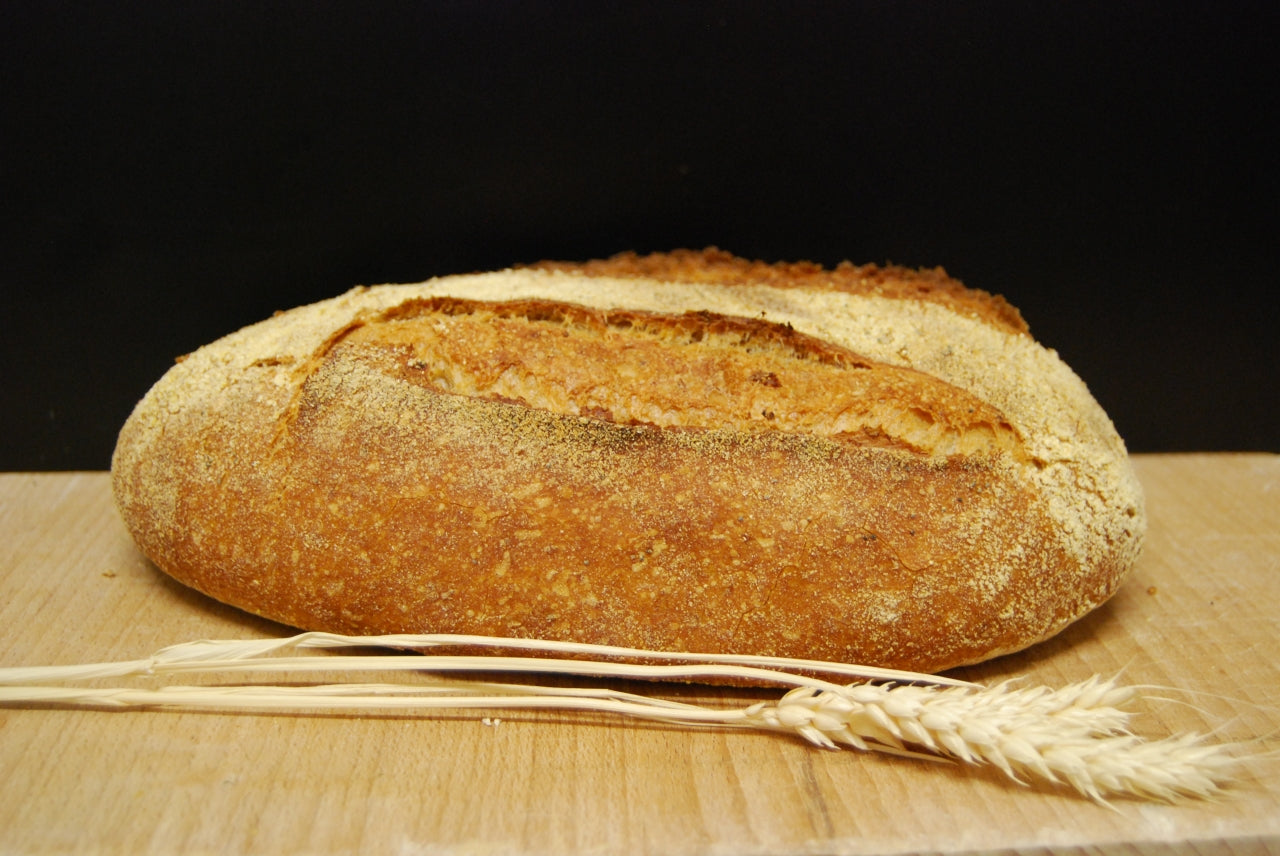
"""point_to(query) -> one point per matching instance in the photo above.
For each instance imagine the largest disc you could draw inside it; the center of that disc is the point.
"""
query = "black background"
(173, 171)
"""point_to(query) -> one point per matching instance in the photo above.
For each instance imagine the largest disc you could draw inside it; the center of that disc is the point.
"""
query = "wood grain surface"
(1199, 615)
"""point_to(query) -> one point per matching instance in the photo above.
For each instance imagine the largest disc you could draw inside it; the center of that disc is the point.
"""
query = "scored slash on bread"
(682, 451)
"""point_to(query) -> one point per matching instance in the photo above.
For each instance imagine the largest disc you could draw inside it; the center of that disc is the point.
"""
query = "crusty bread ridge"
(683, 451)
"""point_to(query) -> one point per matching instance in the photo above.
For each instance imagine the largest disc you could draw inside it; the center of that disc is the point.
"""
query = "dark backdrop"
(173, 171)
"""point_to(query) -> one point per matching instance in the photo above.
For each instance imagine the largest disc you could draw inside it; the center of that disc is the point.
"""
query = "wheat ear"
(1077, 735)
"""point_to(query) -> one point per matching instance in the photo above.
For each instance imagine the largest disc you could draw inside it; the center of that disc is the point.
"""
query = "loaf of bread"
(683, 451)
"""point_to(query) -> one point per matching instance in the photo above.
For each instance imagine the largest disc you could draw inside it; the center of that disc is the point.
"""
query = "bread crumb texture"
(685, 451)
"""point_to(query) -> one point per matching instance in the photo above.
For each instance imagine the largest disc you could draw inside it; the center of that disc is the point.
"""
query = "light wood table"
(1198, 614)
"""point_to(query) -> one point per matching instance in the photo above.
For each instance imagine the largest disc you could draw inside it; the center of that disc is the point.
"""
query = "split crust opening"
(692, 371)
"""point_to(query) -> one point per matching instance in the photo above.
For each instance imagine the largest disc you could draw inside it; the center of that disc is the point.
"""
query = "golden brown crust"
(432, 459)
(713, 265)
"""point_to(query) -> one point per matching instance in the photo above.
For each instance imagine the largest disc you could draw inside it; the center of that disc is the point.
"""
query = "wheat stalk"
(1076, 736)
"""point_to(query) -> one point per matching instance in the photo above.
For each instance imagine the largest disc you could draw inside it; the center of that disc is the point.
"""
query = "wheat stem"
(1077, 735)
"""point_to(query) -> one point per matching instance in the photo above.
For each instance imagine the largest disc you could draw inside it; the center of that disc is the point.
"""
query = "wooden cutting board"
(1198, 615)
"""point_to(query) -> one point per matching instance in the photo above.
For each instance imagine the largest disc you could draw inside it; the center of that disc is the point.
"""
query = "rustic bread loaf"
(684, 451)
